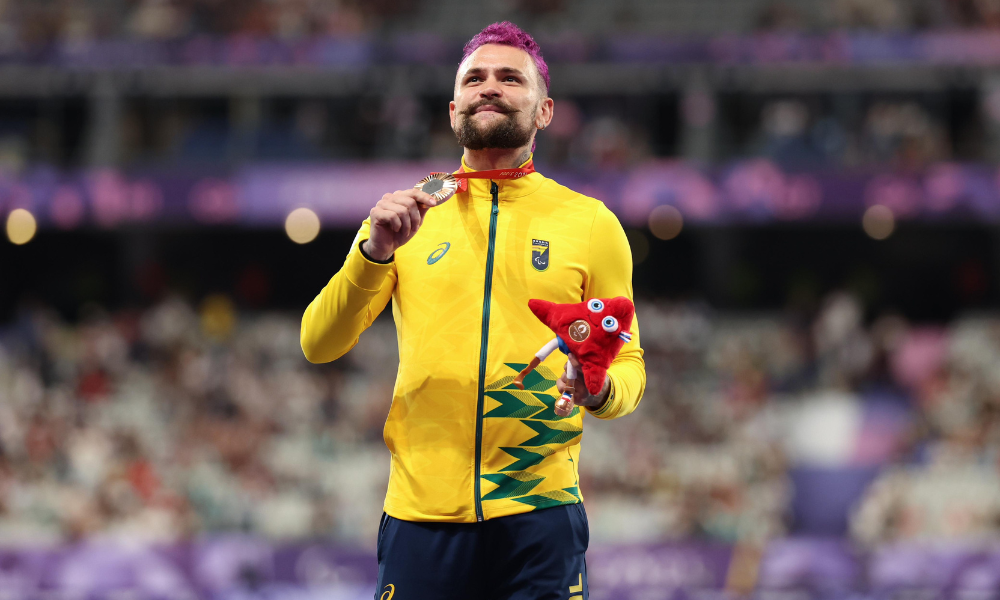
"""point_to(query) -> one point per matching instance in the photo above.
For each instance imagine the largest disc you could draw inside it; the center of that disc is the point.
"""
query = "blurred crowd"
(838, 129)
(180, 419)
(165, 423)
(900, 133)
(878, 15)
(37, 23)
(611, 134)
(33, 23)
(760, 425)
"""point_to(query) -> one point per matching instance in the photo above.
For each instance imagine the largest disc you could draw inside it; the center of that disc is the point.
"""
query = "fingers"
(393, 216)
(402, 211)
(386, 218)
(416, 217)
(396, 217)
(578, 392)
(425, 200)
(563, 406)
(577, 388)
(418, 203)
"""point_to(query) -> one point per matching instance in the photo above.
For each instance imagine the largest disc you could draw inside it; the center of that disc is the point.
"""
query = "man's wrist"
(365, 248)
(602, 398)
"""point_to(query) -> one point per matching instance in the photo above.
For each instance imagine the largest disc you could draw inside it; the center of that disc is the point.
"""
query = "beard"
(503, 133)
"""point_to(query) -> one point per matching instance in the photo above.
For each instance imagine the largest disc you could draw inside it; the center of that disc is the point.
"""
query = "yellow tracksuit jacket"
(466, 444)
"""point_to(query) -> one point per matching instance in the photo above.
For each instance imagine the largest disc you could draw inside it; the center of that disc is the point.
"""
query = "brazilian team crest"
(539, 254)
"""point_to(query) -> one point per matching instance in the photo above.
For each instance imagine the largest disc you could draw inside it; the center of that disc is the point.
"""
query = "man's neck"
(496, 158)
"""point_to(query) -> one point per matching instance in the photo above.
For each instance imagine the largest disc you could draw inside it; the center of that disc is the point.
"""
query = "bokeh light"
(879, 222)
(639, 244)
(21, 226)
(218, 316)
(665, 222)
(302, 225)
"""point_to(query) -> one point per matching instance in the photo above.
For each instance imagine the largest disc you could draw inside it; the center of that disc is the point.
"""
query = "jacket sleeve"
(348, 304)
(610, 275)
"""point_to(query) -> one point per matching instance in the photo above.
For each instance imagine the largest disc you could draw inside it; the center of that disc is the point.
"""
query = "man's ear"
(451, 113)
(543, 116)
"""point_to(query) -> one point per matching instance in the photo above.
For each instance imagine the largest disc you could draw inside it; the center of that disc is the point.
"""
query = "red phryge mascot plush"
(593, 331)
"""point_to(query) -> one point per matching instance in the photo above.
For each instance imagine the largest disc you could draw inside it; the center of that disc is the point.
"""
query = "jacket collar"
(509, 188)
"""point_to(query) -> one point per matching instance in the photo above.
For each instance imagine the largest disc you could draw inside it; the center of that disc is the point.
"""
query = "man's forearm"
(346, 306)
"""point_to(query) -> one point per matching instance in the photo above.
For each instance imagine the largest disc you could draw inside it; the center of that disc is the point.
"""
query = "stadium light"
(666, 222)
(878, 222)
(21, 226)
(302, 225)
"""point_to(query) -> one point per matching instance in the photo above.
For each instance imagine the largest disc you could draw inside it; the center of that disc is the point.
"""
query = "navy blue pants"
(532, 556)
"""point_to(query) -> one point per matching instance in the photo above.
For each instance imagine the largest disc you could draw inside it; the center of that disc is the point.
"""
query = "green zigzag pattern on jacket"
(533, 406)
(510, 485)
(548, 435)
(525, 458)
(534, 401)
(570, 495)
(539, 380)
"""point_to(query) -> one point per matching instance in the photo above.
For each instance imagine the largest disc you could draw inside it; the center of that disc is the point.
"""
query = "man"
(483, 498)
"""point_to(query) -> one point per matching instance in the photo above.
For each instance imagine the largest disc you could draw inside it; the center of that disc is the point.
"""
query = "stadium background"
(811, 193)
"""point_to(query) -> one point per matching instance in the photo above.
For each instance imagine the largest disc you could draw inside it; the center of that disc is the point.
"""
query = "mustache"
(499, 104)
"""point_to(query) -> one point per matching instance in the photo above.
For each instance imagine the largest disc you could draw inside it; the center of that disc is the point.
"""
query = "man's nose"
(490, 90)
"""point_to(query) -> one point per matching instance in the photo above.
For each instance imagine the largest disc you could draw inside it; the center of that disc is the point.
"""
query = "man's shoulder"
(557, 191)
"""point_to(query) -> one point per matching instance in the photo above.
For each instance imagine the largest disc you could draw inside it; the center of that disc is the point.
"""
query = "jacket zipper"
(484, 346)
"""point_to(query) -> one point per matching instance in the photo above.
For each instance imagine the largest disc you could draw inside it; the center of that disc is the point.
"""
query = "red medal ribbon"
(463, 177)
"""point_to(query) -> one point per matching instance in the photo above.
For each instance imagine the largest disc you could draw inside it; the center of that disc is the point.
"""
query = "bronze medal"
(579, 330)
(440, 185)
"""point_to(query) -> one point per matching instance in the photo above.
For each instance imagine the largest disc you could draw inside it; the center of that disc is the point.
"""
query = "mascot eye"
(610, 324)
(595, 305)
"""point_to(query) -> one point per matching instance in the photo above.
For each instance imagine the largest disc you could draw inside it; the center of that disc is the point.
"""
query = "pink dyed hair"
(507, 34)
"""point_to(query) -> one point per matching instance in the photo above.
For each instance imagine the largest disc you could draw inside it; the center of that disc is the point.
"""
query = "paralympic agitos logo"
(539, 255)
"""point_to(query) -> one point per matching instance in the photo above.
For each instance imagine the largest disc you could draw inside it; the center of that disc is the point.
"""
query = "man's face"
(499, 102)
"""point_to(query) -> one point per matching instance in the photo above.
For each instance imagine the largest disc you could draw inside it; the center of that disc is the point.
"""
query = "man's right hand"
(395, 220)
